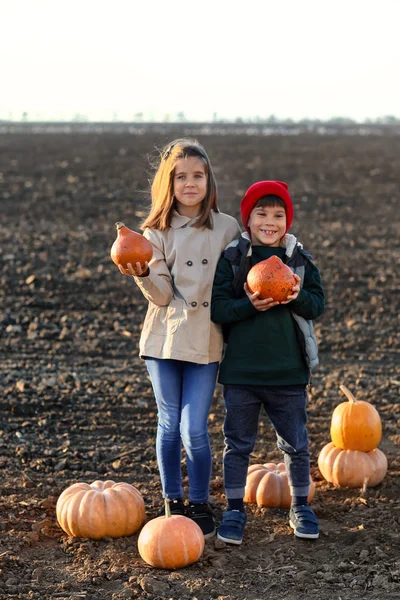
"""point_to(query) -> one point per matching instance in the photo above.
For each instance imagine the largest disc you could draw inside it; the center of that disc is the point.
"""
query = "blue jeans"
(286, 408)
(183, 392)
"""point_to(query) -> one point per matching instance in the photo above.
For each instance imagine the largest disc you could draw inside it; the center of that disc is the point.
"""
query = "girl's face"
(267, 225)
(190, 185)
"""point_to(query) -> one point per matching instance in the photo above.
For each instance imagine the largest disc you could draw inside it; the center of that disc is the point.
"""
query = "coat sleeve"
(310, 303)
(232, 231)
(225, 307)
(157, 287)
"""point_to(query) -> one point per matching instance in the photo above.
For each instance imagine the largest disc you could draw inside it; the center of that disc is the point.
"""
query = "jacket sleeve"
(157, 287)
(310, 303)
(225, 307)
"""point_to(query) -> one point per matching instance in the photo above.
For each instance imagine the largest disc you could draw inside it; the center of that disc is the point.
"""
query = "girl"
(181, 346)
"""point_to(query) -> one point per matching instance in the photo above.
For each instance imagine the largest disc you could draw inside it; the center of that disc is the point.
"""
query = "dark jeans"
(286, 408)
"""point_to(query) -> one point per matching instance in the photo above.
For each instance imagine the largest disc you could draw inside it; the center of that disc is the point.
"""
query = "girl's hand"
(137, 271)
(295, 291)
(261, 305)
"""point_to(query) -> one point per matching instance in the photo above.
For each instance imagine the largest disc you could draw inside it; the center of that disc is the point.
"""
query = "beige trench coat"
(179, 287)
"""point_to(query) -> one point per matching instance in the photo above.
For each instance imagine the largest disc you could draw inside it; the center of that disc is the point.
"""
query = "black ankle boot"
(203, 516)
(176, 506)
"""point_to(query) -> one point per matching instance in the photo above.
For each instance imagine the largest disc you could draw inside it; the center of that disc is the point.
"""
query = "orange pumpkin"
(351, 468)
(272, 278)
(267, 485)
(130, 247)
(100, 509)
(355, 425)
(170, 541)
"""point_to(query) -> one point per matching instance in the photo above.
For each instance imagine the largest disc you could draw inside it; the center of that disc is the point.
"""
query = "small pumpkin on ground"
(272, 278)
(130, 247)
(267, 485)
(352, 468)
(356, 424)
(100, 509)
(170, 541)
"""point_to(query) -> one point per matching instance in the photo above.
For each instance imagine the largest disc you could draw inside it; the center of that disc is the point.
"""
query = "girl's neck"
(187, 211)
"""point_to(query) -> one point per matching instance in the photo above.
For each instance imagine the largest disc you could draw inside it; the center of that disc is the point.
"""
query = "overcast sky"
(107, 58)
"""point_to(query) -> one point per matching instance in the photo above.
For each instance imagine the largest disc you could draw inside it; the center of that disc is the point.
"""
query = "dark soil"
(76, 403)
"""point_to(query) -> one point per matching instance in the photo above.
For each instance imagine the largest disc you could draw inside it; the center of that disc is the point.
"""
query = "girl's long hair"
(162, 187)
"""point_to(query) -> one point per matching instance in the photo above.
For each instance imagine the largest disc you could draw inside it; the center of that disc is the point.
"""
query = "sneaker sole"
(209, 535)
(229, 541)
(305, 536)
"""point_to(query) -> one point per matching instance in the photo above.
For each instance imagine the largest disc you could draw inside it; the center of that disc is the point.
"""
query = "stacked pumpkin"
(353, 458)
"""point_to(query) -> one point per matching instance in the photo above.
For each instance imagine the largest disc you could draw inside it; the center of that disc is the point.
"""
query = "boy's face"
(267, 225)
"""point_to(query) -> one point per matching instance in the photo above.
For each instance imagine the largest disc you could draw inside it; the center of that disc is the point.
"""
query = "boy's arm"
(310, 303)
(157, 286)
(225, 307)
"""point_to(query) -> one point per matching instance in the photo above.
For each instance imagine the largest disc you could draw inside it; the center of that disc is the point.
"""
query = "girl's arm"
(157, 285)
(310, 302)
(225, 307)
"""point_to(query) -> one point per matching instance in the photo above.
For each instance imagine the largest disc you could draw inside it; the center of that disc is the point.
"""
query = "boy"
(271, 348)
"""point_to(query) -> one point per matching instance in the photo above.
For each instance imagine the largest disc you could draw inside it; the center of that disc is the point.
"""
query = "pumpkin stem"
(348, 394)
(364, 487)
(119, 224)
(167, 508)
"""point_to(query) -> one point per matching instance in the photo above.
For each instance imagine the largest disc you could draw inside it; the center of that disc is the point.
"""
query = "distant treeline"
(387, 126)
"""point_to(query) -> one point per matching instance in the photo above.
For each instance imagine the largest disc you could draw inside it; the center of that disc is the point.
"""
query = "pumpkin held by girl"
(130, 247)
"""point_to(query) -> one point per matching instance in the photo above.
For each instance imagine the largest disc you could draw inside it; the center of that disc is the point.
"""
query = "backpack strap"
(239, 255)
(299, 258)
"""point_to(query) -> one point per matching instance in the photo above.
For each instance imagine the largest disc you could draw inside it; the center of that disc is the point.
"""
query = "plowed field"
(76, 403)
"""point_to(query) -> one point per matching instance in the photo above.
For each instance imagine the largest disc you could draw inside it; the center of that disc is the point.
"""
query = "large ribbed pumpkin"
(100, 509)
(272, 278)
(267, 485)
(130, 247)
(352, 468)
(356, 424)
(170, 541)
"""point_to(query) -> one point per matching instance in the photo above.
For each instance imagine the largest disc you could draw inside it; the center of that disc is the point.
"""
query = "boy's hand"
(261, 305)
(295, 290)
(137, 271)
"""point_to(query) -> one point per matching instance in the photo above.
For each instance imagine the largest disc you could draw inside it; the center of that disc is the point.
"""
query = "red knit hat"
(265, 188)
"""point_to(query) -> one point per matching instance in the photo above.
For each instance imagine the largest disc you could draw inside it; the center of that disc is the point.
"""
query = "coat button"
(204, 261)
(189, 263)
(193, 304)
(205, 303)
